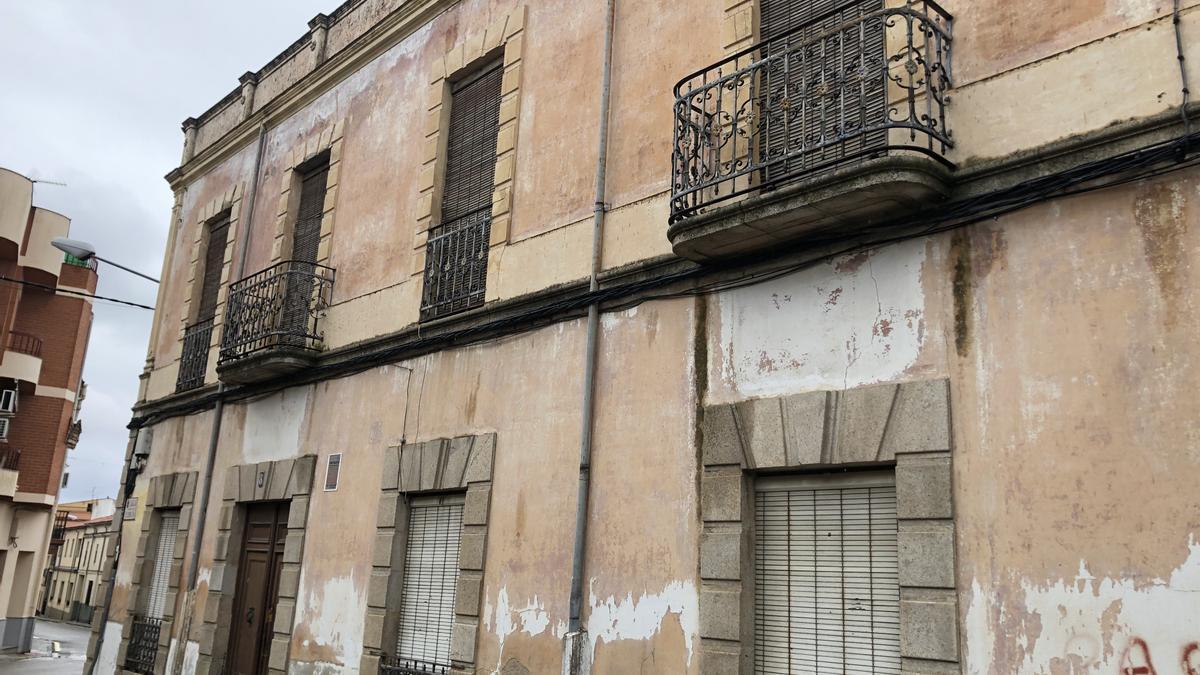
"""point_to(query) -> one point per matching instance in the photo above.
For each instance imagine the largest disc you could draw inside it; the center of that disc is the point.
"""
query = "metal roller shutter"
(430, 578)
(164, 553)
(827, 593)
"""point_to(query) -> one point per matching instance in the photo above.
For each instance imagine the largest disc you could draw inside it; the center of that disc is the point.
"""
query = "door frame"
(288, 480)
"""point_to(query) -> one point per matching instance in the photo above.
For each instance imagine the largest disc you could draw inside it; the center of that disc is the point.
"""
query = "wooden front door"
(257, 588)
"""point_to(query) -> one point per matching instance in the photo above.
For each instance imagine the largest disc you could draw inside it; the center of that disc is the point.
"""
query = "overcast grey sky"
(94, 93)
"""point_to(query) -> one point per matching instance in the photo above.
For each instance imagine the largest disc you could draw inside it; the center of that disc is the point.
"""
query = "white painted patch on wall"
(171, 655)
(334, 617)
(531, 619)
(610, 620)
(204, 576)
(852, 321)
(611, 320)
(191, 656)
(1091, 625)
(106, 660)
(273, 425)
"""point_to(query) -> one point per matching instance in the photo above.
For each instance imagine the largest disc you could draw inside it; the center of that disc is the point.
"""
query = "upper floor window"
(827, 588)
(306, 233)
(457, 248)
(197, 337)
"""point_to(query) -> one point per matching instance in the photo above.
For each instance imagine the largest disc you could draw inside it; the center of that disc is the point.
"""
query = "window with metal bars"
(197, 337)
(827, 590)
(457, 247)
(427, 590)
(164, 553)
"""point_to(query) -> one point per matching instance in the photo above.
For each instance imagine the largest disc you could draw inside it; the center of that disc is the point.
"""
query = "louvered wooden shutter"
(430, 576)
(164, 553)
(827, 592)
(457, 250)
(306, 234)
(830, 90)
(214, 261)
(471, 145)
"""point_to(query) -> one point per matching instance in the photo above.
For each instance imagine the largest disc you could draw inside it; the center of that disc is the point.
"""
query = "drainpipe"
(573, 661)
(219, 409)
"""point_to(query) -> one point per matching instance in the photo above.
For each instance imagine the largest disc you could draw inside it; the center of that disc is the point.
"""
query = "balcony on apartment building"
(10, 466)
(22, 359)
(827, 128)
(273, 321)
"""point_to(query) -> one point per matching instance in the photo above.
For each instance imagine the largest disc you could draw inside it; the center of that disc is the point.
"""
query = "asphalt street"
(58, 649)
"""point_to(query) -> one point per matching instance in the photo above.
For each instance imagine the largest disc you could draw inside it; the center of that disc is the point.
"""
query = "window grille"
(164, 553)
(430, 576)
(827, 592)
(457, 248)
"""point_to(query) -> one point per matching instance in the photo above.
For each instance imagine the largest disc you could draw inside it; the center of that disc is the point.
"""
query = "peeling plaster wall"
(1068, 333)
(1079, 448)
(855, 320)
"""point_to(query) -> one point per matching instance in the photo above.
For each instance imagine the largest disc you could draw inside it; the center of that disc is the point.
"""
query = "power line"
(1146, 162)
(68, 291)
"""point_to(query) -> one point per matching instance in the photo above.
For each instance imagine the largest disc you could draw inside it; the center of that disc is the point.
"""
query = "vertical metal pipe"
(593, 321)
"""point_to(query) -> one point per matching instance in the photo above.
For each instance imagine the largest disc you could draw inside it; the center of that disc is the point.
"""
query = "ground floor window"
(827, 592)
(429, 583)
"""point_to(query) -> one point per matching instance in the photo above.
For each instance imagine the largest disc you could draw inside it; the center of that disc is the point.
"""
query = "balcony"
(22, 359)
(193, 360)
(272, 324)
(73, 433)
(10, 465)
(833, 127)
(24, 343)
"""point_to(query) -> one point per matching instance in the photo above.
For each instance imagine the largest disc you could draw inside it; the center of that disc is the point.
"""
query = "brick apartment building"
(706, 337)
(45, 321)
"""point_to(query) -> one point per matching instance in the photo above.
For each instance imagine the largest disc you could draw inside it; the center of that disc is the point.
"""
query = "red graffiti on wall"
(1136, 659)
(1191, 659)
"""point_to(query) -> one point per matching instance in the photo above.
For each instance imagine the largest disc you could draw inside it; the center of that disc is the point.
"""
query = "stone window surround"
(907, 422)
(329, 140)
(507, 33)
(281, 480)
(230, 201)
(440, 465)
(168, 491)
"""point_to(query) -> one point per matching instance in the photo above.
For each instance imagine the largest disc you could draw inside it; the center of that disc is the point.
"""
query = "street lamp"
(85, 251)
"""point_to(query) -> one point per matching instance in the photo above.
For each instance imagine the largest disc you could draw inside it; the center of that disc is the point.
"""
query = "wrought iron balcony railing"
(456, 259)
(25, 343)
(279, 307)
(394, 665)
(193, 361)
(861, 82)
(143, 645)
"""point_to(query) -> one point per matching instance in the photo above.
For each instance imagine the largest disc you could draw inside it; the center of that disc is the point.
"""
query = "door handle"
(250, 615)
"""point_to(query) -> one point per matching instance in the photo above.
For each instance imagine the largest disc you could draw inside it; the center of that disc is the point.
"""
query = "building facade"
(74, 572)
(45, 320)
(707, 337)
